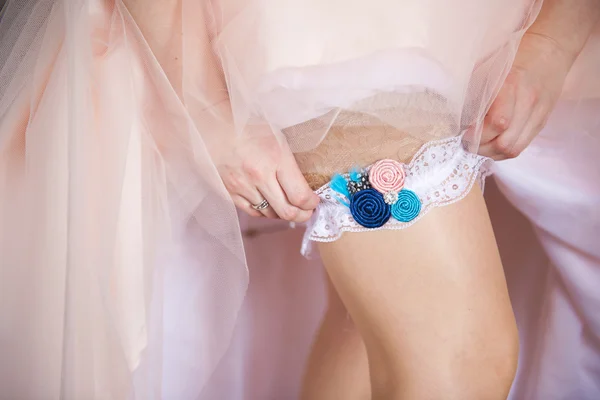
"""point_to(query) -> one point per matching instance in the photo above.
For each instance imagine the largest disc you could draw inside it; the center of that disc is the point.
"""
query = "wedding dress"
(122, 265)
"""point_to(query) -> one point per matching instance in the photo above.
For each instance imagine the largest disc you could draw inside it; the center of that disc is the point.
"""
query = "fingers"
(261, 183)
(244, 205)
(501, 113)
(294, 185)
(277, 199)
(505, 132)
(268, 171)
(255, 197)
(244, 194)
(533, 126)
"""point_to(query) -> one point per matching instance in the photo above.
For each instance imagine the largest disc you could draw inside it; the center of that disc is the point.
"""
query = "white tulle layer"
(440, 173)
(313, 60)
(285, 93)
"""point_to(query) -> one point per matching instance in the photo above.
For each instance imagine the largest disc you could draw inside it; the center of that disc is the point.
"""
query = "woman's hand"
(533, 86)
(255, 165)
(261, 167)
(530, 92)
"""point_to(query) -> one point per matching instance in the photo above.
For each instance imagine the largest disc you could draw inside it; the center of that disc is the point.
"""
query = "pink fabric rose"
(387, 176)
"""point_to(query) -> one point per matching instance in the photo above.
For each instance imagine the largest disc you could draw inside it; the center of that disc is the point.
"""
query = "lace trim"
(441, 173)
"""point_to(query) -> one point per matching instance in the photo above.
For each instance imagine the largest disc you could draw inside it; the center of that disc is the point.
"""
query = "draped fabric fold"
(108, 194)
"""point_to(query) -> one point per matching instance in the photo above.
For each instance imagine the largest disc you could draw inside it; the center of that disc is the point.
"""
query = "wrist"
(554, 47)
(565, 26)
(541, 51)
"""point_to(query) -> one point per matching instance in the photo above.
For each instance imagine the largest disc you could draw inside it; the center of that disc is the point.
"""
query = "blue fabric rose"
(407, 207)
(369, 209)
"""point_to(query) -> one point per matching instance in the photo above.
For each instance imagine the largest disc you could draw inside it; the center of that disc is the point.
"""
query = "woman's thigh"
(430, 301)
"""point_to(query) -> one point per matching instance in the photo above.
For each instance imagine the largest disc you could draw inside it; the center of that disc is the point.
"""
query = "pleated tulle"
(107, 193)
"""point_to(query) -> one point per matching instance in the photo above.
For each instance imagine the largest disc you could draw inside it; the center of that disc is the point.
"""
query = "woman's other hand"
(534, 84)
(530, 92)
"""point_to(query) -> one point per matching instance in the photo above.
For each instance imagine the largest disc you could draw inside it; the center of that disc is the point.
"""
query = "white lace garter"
(391, 195)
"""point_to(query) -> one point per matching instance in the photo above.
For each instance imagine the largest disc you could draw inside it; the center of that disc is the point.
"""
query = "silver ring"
(261, 206)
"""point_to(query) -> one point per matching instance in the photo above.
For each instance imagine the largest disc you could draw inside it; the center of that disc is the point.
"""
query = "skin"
(519, 112)
(263, 167)
(338, 365)
(434, 323)
(533, 86)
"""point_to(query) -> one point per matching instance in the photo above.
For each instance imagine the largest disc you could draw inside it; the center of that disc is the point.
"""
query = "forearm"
(568, 23)
(159, 21)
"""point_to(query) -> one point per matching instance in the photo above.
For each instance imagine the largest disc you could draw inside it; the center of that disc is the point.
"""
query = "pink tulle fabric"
(107, 191)
(123, 271)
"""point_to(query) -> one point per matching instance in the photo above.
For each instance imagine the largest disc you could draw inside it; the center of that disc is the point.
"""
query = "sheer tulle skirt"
(107, 191)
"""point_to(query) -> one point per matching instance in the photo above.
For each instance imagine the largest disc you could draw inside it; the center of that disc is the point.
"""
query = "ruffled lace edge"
(479, 172)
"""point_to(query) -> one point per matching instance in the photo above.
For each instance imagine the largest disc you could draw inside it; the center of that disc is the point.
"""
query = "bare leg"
(338, 366)
(432, 305)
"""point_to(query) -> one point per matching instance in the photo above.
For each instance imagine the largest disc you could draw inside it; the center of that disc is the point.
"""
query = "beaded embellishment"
(393, 195)
(376, 194)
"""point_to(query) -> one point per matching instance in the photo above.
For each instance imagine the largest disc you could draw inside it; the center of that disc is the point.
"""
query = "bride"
(129, 130)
